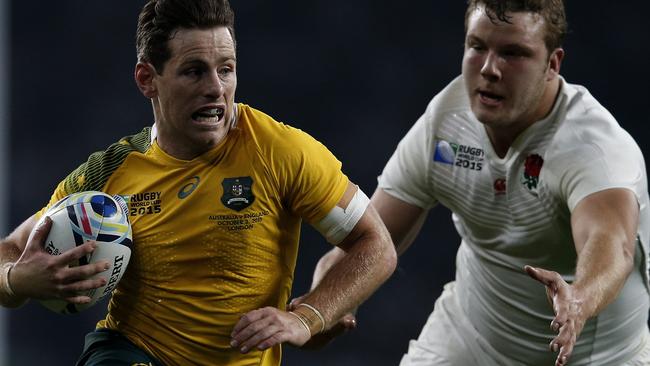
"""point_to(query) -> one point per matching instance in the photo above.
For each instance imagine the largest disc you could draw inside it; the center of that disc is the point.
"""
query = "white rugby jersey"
(516, 210)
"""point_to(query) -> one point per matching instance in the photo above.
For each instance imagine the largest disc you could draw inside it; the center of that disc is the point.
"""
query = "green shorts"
(105, 347)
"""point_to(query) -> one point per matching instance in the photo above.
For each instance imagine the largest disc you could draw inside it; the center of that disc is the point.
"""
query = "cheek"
(232, 85)
(471, 63)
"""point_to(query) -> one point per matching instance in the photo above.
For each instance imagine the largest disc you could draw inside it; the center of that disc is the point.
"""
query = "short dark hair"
(552, 11)
(160, 20)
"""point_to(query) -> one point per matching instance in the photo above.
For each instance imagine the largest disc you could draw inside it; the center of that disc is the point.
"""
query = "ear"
(554, 63)
(144, 78)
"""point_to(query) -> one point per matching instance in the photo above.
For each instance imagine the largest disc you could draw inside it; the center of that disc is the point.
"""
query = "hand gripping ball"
(85, 216)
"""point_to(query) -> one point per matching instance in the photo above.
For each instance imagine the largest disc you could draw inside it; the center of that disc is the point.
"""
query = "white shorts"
(448, 339)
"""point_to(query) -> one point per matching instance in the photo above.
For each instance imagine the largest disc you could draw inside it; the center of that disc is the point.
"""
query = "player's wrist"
(8, 297)
(310, 317)
(584, 304)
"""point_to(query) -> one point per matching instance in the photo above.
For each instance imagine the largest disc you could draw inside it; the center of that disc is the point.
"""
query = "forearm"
(326, 262)
(348, 278)
(604, 264)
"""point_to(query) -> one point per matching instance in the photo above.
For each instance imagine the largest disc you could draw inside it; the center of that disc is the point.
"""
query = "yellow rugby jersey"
(214, 237)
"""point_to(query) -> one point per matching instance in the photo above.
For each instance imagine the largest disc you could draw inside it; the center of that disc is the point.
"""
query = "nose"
(214, 85)
(490, 69)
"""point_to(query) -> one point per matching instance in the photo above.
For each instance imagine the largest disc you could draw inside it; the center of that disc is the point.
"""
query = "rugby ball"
(85, 216)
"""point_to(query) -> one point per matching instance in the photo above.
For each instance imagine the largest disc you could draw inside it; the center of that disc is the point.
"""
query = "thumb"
(39, 234)
(552, 280)
(547, 278)
(539, 274)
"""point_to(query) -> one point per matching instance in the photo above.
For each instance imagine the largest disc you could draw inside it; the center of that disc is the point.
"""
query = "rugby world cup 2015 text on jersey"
(463, 156)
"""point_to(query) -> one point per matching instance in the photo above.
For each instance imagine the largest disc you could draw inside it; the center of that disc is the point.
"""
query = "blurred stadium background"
(355, 75)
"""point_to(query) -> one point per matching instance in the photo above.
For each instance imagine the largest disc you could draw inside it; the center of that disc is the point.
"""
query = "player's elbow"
(388, 259)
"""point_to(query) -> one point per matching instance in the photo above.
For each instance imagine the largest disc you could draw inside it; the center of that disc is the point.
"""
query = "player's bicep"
(342, 220)
(402, 219)
(612, 213)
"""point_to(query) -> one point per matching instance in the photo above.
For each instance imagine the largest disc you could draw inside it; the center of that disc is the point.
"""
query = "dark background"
(355, 75)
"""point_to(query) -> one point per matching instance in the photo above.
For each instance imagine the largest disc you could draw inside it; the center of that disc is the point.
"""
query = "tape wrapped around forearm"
(339, 222)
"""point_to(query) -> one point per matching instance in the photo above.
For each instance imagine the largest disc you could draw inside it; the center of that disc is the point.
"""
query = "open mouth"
(490, 98)
(208, 114)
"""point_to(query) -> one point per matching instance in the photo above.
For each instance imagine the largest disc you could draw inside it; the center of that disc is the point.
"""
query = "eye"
(224, 71)
(193, 72)
(510, 54)
(476, 47)
(514, 53)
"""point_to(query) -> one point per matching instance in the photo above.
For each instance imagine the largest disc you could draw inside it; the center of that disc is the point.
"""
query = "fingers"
(264, 328)
(568, 329)
(80, 299)
(563, 344)
(39, 234)
(72, 282)
(86, 271)
(266, 336)
(83, 285)
(567, 321)
(73, 255)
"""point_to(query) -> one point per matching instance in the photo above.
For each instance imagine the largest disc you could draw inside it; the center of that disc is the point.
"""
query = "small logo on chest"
(459, 155)
(237, 193)
(499, 186)
(188, 188)
(532, 168)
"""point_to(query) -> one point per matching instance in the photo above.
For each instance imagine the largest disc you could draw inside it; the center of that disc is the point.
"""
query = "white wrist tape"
(338, 223)
(4, 279)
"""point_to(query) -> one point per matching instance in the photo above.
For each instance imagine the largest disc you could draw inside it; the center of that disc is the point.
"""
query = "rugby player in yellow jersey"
(217, 191)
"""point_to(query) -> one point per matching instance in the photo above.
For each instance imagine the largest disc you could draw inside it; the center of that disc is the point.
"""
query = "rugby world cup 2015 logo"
(445, 152)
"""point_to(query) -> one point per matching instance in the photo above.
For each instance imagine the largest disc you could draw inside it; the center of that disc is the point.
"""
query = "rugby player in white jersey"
(542, 183)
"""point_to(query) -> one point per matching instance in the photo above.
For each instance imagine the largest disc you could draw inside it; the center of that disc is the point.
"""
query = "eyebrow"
(472, 38)
(509, 46)
(519, 48)
(194, 60)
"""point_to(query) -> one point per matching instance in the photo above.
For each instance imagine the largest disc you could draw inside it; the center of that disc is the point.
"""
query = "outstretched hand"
(320, 340)
(37, 274)
(569, 312)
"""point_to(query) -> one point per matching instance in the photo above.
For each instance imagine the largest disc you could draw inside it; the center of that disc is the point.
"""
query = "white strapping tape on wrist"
(4, 281)
(338, 223)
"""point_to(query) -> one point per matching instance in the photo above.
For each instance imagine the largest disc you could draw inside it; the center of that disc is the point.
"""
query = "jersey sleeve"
(79, 180)
(309, 176)
(406, 175)
(93, 174)
(605, 158)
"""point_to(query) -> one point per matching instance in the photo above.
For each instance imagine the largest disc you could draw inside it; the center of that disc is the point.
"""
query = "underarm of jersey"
(339, 222)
